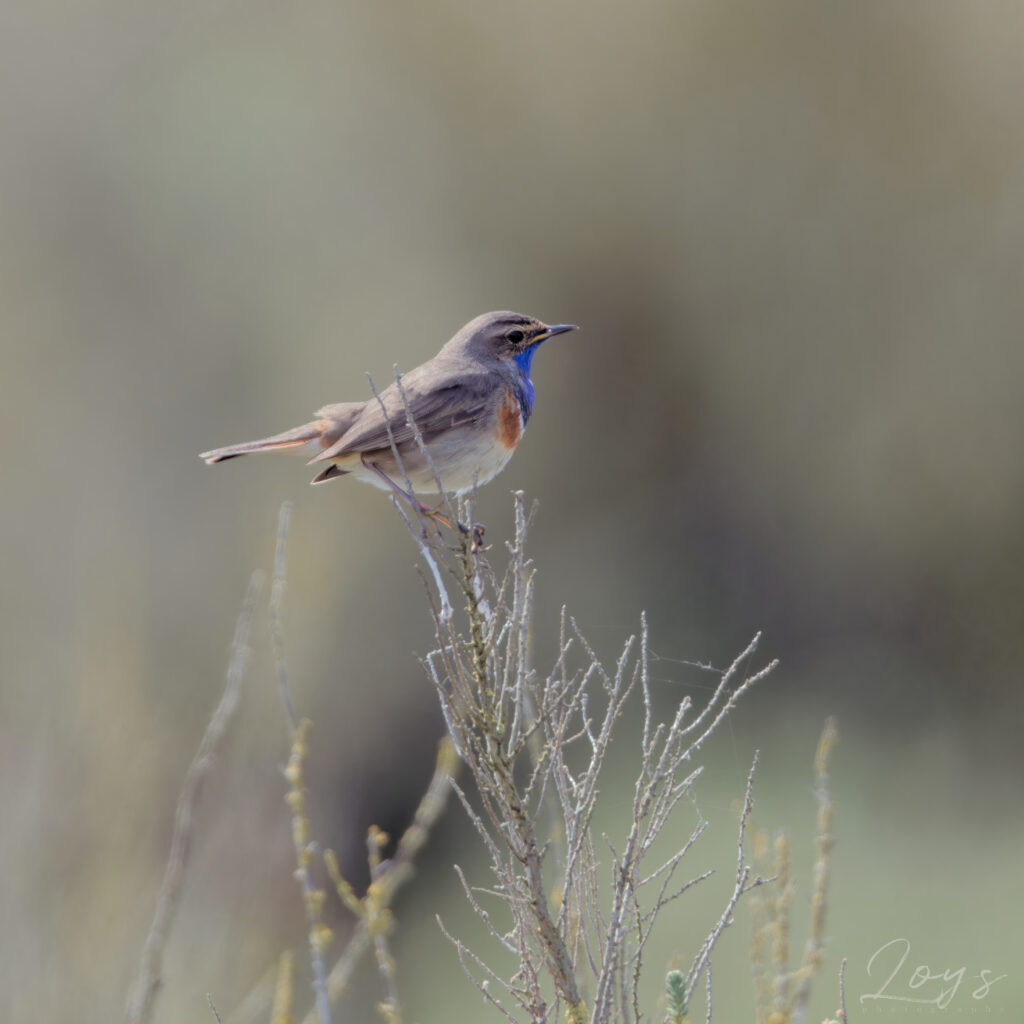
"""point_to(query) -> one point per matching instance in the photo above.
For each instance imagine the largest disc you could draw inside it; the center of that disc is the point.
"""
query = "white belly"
(462, 459)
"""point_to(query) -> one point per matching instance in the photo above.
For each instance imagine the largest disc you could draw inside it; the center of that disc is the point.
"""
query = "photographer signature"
(944, 984)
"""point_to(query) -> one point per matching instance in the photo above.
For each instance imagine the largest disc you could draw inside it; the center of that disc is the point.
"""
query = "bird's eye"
(515, 336)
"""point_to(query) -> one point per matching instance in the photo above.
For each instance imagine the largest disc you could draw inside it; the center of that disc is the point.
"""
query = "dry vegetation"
(574, 907)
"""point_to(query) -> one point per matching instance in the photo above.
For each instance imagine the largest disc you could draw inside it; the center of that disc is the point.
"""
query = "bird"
(470, 405)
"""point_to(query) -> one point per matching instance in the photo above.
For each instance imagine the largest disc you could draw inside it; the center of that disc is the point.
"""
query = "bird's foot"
(435, 515)
(475, 532)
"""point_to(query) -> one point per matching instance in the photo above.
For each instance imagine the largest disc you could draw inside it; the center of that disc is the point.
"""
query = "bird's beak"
(550, 332)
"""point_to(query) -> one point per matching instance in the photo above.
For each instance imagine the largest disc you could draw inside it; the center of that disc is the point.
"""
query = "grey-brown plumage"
(470, 402)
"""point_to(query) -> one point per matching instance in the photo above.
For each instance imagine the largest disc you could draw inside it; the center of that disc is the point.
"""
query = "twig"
(281, 1012)
(780, 993)
(814, 950)
(422, 445)
(445, 612)
(743, 885)
(312, 897)
(417, 535)
(397, 871)
(213, 1007)
(707, 988)
(276, 606)
(842, 992)
(140, 1005)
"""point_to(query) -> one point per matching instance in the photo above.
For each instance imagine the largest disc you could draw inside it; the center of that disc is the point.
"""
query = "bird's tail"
(289, 439)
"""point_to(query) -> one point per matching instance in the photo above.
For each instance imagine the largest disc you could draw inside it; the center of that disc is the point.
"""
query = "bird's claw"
(438, 519)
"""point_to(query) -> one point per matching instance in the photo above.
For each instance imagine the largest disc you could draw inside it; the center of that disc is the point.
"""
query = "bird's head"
(509, 337)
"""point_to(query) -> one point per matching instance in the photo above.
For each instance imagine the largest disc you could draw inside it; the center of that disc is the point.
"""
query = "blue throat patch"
(525, 392)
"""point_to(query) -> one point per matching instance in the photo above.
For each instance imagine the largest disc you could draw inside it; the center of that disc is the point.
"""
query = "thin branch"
(396, 871)
(147, 983)
(378, 918)
(743, 885)
(464, 954)
(707, 990)
(284, 989)
(312, 897)
(445, 611)
(814, 951)
(422, 445)
(842, 992)
(276, 613)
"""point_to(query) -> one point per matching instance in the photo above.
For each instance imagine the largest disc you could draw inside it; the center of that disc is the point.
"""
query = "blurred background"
(792, 234)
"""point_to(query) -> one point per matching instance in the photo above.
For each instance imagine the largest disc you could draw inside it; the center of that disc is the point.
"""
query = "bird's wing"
(434, 408)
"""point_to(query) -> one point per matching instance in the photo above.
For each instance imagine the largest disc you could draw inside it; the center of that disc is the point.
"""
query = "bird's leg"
(475, 532)
(435, 515)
